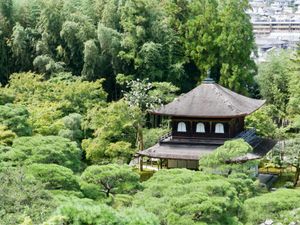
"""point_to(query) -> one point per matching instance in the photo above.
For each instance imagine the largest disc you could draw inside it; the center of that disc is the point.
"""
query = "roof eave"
(262, 104)
(198, 116)
(209, 116)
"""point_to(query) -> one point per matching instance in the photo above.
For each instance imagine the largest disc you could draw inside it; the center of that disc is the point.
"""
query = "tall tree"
(200, 33)
(218, 37)
(273, 79)
(150, 46)
(293, 106)
(6, 24)
(21, 48)
(236, 44)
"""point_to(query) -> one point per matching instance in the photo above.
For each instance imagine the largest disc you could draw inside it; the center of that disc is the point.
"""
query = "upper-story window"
(219, 129)
(200, 128)
(181, 127)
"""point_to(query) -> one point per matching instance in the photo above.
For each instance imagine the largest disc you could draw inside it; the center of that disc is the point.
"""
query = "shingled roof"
(195, 152)
(210, 100)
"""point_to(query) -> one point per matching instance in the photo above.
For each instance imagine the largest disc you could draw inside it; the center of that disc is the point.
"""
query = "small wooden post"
(141, 163)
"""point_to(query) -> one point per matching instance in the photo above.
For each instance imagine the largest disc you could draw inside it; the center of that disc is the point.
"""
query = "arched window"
(219, 129)
(200, 128)
(181, 127)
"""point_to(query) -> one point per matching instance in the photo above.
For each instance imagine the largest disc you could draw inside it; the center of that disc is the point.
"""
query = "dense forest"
(77, 80)
(160, 40)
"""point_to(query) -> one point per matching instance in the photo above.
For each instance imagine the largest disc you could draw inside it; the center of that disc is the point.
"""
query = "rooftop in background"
(210, 100)
(275, 19)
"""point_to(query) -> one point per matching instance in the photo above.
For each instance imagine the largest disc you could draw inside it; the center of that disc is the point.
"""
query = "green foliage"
(286, 153)
(225, 45)
(147, 95)
(81, 47)
(45, 118)
(262, 122)
(200, 38)
(271, 205)
(294, 92)
(144, 38)
(164, 91)
(6, 136)
(49, 101)
(26, 85)
(273, 79)
(39, 149)
(15, 118)
(6, 95)
(83, 211)
(72, 125)
(139, 96)
(22, 196)
(150, 45)
(112, 178)
(224, 160)
(54, 176)
(151, 136)
(78, 96)
(138, 216)
(236, 44)
(91, 59)
(46, 65)
(181, 196)
(20, 46)
(290, 217)
(115, 133)
(67, 94)
(91, 191)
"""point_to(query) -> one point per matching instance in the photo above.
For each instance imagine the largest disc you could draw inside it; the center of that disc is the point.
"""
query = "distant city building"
(276, 25)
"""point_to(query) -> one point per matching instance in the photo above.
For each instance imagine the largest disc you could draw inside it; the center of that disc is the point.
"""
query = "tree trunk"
(140, 138)
(297, 175)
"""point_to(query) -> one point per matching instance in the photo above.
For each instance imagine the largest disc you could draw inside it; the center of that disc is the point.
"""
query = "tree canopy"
(39, 149)
(77, 79)
(112, 178)
(159, 40)
(180, 196)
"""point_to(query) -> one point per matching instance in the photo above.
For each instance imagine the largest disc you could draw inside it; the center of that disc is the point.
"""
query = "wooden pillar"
(161, 163)
(141, 163)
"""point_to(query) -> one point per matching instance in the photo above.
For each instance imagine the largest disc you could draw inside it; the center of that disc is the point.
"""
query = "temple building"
(202, 120)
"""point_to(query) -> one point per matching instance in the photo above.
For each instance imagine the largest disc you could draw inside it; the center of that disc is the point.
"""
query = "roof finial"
(208, 73)
(208, 79)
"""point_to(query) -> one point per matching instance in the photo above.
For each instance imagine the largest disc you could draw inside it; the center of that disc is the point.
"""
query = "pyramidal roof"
(210, 100)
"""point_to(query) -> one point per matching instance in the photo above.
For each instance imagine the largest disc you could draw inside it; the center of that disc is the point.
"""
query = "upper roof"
(210, 100)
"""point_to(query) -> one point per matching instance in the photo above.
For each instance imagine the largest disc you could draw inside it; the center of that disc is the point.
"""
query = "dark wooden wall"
(232, 127)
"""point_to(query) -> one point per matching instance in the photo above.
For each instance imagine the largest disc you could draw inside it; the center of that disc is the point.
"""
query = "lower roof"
(186, 152)
(194, 152)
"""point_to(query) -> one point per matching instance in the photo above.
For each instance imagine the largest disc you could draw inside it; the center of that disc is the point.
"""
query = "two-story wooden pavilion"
(202, 120)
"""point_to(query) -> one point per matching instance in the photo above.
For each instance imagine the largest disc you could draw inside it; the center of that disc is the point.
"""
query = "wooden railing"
(164, 137)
